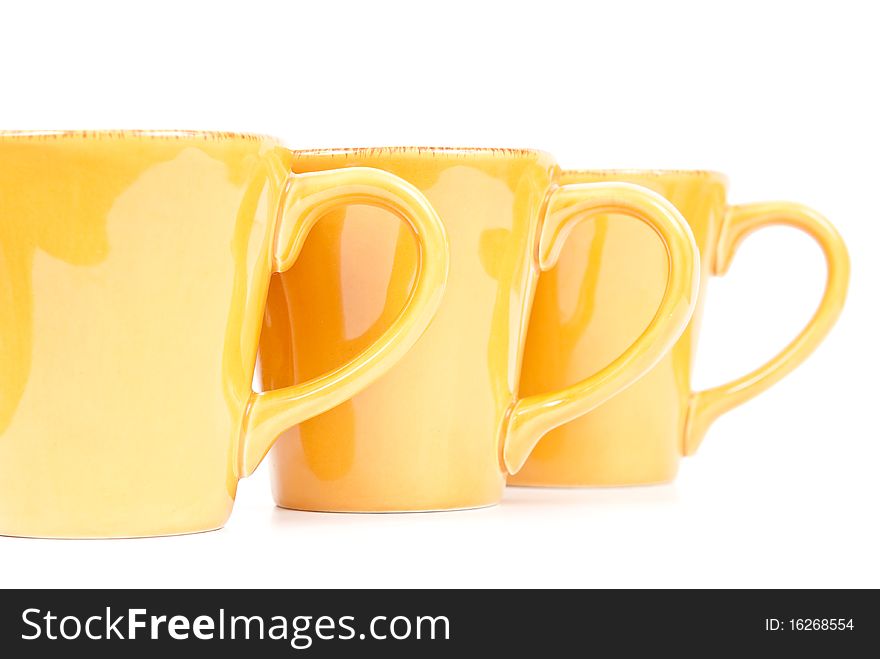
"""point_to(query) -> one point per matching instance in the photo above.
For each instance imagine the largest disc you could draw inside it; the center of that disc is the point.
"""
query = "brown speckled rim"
(436, 151)
(648, 173)
(123, 134)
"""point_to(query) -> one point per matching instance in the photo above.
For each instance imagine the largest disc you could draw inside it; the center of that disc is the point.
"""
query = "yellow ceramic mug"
(134, 268)
(585, 309)
(442, 429)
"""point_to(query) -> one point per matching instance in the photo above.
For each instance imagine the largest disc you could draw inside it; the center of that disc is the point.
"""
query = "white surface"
(782, 96)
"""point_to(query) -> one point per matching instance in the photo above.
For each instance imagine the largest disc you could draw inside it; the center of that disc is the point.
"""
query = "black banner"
(289, 623)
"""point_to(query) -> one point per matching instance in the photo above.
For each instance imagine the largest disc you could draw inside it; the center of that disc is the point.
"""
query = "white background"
(781, 96)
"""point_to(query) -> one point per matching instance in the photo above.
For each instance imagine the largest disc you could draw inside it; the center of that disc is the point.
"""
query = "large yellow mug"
(134, 268)
(586, 309)
(444, 427)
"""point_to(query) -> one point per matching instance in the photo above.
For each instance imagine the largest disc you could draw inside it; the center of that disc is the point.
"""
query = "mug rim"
(655, 173)
(142, 134)
(447, 151)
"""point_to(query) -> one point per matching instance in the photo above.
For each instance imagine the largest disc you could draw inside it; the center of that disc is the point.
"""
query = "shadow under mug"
(134, 268)
(443, 428)
(585, 309)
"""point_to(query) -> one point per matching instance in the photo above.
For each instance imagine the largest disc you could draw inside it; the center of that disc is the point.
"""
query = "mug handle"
(706, 406)
(532, 417)
(308, 197)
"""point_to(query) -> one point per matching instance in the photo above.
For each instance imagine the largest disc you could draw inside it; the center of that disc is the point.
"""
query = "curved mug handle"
(706, 406)
(532, 417)
(306, 199)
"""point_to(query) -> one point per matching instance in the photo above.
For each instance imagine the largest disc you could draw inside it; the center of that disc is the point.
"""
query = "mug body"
(133, 274)
(425, 436)
(588, 309)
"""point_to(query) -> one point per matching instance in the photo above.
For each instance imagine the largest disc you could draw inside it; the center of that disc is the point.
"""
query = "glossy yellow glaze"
(442, 429)
(134, 268)
(587, 310)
